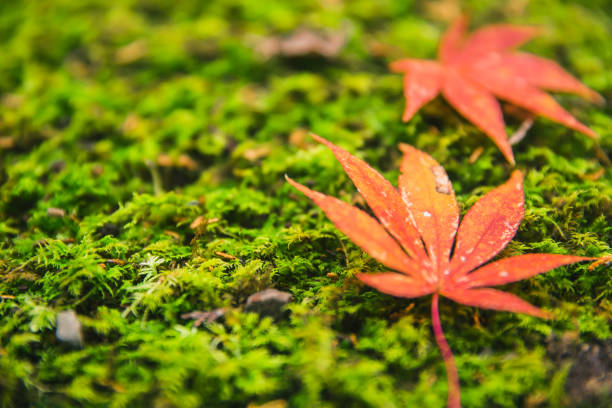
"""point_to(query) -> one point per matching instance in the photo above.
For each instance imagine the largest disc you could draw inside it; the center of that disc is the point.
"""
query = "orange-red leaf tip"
(589, 132)
(596, 97)
(406, 148)
(317, 137)
(396, 284)
(543, 314)
(407, 115)
(300, 187)
(534, 31)
(324, 141)
(517, 176)
(599, 261)
(399, 66)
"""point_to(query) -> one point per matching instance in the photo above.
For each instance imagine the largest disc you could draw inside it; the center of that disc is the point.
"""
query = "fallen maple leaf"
(424, 211)
(471, 72)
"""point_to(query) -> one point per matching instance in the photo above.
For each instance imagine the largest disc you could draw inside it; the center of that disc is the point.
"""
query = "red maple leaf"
(418, 230)
(471, 72)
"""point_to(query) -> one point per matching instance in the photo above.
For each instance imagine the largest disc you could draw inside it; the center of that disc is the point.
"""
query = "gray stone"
(68, 328)
(269, 302)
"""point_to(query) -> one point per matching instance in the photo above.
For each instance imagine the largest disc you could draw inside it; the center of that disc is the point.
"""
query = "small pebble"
(269, 302)
(55, 212)
(68, 328)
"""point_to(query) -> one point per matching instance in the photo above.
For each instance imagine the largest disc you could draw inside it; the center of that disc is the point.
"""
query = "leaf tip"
(399, 66)
(297, 185)
(517, 178)
(591, 133)
(406, 148)
(533, 31)
(596, 98)
(462, 20)
(543, 314)
(606, 259)
(361, 276)
(409, 112)
(321, 140)
(517, 175)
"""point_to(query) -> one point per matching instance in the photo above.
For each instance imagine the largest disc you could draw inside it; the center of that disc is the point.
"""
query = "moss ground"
(134, 118)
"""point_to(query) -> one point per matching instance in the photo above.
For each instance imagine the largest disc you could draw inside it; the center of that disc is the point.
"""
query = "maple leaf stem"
(454, 395)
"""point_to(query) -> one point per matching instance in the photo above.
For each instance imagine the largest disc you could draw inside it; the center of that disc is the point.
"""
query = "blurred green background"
(142, 151)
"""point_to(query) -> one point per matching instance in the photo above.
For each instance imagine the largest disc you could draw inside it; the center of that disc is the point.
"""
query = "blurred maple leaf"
(415, 232)
(471, 71)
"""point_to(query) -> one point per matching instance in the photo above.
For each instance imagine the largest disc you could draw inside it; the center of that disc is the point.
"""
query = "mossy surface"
(122, 122)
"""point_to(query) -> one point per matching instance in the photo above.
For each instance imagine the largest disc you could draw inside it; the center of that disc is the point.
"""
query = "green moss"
(137, 118)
